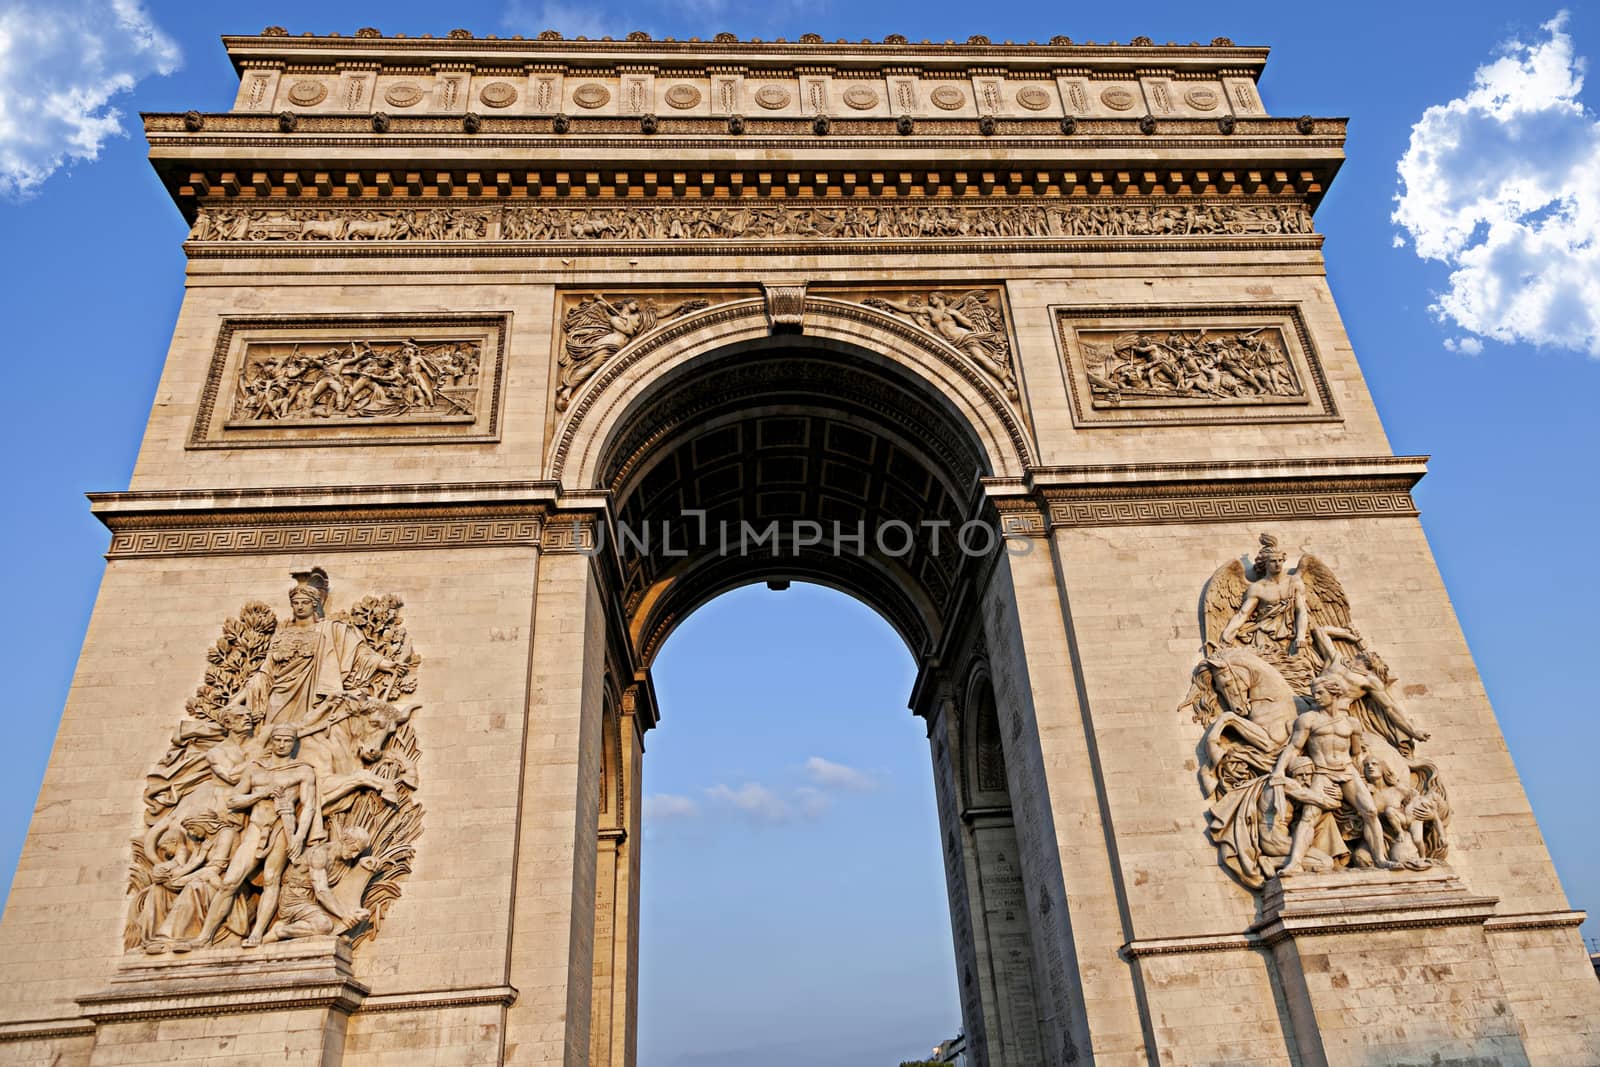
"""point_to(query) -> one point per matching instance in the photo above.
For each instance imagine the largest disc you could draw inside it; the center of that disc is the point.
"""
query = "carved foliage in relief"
(358, 379)
(285, 806)
(971, 322)
(1308, 758)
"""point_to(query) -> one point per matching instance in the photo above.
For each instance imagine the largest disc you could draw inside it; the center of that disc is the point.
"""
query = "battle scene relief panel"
(367, 380)
(1191, 365)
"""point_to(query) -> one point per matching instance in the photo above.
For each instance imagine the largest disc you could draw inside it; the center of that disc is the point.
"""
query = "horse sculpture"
(1250, 698)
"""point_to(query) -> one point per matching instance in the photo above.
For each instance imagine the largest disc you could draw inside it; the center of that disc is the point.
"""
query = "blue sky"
(1498, 151)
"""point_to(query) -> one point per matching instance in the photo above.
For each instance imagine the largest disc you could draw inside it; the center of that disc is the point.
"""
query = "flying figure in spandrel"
(598, 329)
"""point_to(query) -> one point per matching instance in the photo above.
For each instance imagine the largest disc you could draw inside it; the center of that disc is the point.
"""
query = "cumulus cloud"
(60, 66)
(832, 775)
(661, 806)
(755, 800)
(1500, 184)
(569, 19)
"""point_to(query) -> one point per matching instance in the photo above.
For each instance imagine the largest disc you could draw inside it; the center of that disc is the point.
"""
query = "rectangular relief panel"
(348, 380)
(1160, 365)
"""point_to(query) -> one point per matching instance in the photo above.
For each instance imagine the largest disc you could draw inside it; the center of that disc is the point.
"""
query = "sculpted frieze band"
(1308, 757)
(755, 220)
(285, 806)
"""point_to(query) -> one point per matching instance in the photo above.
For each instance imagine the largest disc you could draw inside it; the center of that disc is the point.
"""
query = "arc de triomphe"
(499, 357)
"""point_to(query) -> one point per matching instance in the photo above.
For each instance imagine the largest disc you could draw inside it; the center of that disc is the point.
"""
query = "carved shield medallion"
(772, 97)
(404, 94)
(592, 95)
(860, 97)
(1033, 98)
(1117, 98)
(498, 94)
(683, 97)
(307, 93)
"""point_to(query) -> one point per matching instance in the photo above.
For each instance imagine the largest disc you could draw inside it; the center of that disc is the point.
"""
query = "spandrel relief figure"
(1307, 758)
(358, 379)
(1204, 365)
(293, 748)
(598, 328)
(970, 323)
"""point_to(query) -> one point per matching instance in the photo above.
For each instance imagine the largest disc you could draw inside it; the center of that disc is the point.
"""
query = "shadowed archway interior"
(790, 461)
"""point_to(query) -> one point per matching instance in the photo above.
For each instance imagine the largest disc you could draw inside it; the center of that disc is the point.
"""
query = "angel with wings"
(597, 329)
(1277, 643)
(970, 325)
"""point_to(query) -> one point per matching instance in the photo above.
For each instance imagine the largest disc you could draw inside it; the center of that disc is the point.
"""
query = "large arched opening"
(853, 456)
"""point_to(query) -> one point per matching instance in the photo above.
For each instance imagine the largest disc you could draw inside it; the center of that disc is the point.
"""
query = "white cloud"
(755, 800)
(663, 806)
(1467, 346)
(838, 776)
(569, 19)
(1500, 184)
(60, 66)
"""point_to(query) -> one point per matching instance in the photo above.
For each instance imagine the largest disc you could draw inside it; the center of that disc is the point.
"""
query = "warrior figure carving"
(1206, 365)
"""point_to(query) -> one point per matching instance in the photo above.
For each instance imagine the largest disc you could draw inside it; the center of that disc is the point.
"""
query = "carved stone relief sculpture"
(969, 322)
(277, 381)
(359, 379)
(1308, 758)
(599, 327)
(753, 220)
(285, 806)
(1191, 365)
(1161, 366)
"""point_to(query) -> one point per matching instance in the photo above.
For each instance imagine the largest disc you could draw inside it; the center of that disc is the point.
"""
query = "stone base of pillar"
(289, 1001)
(1388, 967)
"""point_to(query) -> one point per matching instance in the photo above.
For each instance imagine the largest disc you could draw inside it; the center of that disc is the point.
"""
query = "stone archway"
(459, 311)
(789, 456)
